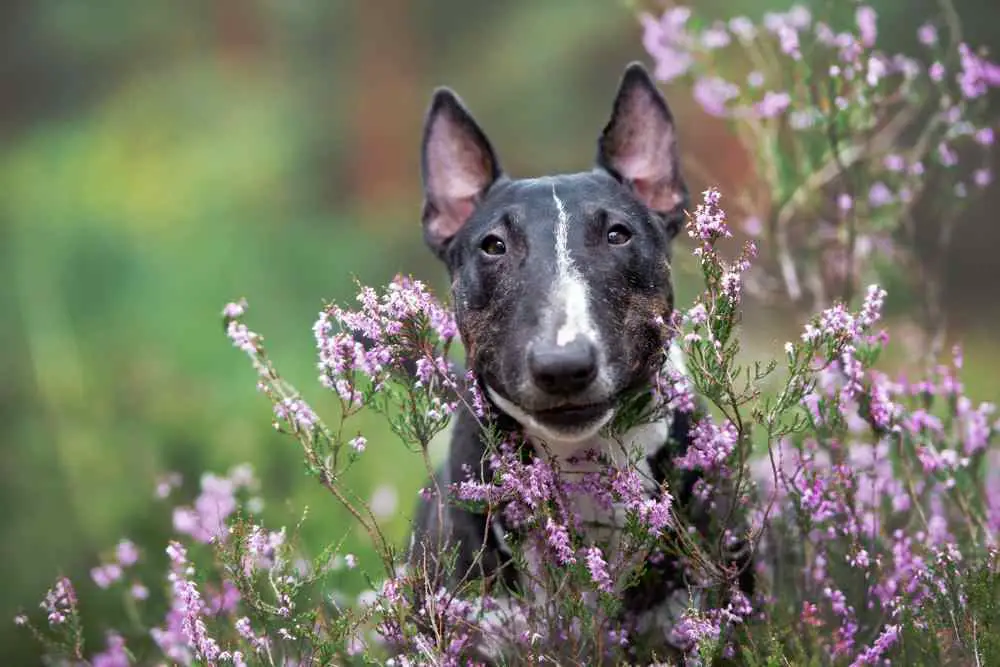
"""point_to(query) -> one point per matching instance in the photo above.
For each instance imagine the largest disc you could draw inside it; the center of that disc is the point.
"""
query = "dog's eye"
(493, 245)
(619, 235)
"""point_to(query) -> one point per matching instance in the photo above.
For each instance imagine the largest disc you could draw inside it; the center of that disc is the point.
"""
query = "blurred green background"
(158, 159)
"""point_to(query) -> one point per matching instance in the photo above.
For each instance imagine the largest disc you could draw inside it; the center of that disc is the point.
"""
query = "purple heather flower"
(693, 629)
(60, 601)
(262, 548)
(139, 592)
(358, 443)
(667, 41)
(984, 137)
(235, 309)
(773, 104)
(977, 75)
(732, 286)
(743, 28)
(558, 540)
(655, 514)
(788, 38)
(850, 51)
(773, 21)
(871, 309)
(755, 79)
(710, 447)
(753, 226)
(713, 94)
(245, 630)
(127, 553)
(982, 177)
(114, 655)
(880, 195)
(242, 337)
(188, 607)
(927, 34)
(867, 19)
(105, 575)
(297, 413)
(908, 67)
(825, 34)
(845, 202)
(206, 520)
(947, 155)
(599, 569)
(876, 71)
(715, 37)
(225, 600)
(873, 655)
(894, 162)
(166, 484)
(709, 219)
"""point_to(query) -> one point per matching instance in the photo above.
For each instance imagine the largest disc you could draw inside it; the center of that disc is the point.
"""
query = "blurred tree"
(386, 100)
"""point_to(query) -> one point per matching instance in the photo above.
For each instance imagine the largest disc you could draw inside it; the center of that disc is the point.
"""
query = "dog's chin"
(569, 424)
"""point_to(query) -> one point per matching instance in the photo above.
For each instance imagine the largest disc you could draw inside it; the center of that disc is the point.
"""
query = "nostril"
(563, 369)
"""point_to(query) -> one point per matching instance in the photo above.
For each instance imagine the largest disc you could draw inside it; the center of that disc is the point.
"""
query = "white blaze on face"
(570, 292)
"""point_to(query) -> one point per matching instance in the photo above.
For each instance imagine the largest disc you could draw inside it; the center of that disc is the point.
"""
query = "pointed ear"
(458, 165)
(639, 145)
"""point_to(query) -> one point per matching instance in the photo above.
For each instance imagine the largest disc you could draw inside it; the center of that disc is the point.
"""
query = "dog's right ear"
(458, 165)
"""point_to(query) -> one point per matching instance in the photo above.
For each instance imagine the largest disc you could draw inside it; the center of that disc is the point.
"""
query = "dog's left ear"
(639, 147)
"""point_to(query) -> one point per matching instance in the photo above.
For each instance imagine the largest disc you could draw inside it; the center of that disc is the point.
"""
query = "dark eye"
(493, 245)
(619, 235)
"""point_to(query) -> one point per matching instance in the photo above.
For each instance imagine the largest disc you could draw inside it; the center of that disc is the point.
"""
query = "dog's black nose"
(563, 369)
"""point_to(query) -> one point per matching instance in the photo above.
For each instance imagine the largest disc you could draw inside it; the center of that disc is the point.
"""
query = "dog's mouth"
(571, 417)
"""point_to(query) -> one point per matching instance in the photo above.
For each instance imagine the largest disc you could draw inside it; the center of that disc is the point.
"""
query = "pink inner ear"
(457, 168)
(645, 152)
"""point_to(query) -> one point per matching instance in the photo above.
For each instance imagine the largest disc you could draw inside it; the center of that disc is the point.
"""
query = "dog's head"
(558, 282)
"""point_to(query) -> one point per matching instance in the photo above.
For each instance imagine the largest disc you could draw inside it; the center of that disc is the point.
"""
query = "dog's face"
(558, 282)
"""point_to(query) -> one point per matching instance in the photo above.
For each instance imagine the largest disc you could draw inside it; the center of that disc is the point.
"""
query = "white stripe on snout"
(570, 293)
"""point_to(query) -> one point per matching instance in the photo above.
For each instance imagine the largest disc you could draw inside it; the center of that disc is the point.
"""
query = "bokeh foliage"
(158, 160)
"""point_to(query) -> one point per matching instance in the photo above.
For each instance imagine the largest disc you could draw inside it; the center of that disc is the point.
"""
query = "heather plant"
(860, 154)
(871, 511)
(867, 504)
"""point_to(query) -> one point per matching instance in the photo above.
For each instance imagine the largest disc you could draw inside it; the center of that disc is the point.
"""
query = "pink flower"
(114, 655)
(558, 540)
(927, 34)
(773, 104)
(105, 575)
(666, 40)
(598, 569)
(867, 19)
(713, 94)
(788, 38)
(127, 553)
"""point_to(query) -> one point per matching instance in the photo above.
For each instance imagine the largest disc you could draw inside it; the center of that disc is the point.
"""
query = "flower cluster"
(843, 102)
(392, 324)
(60, 602)
(206, 519)
(126, 555)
